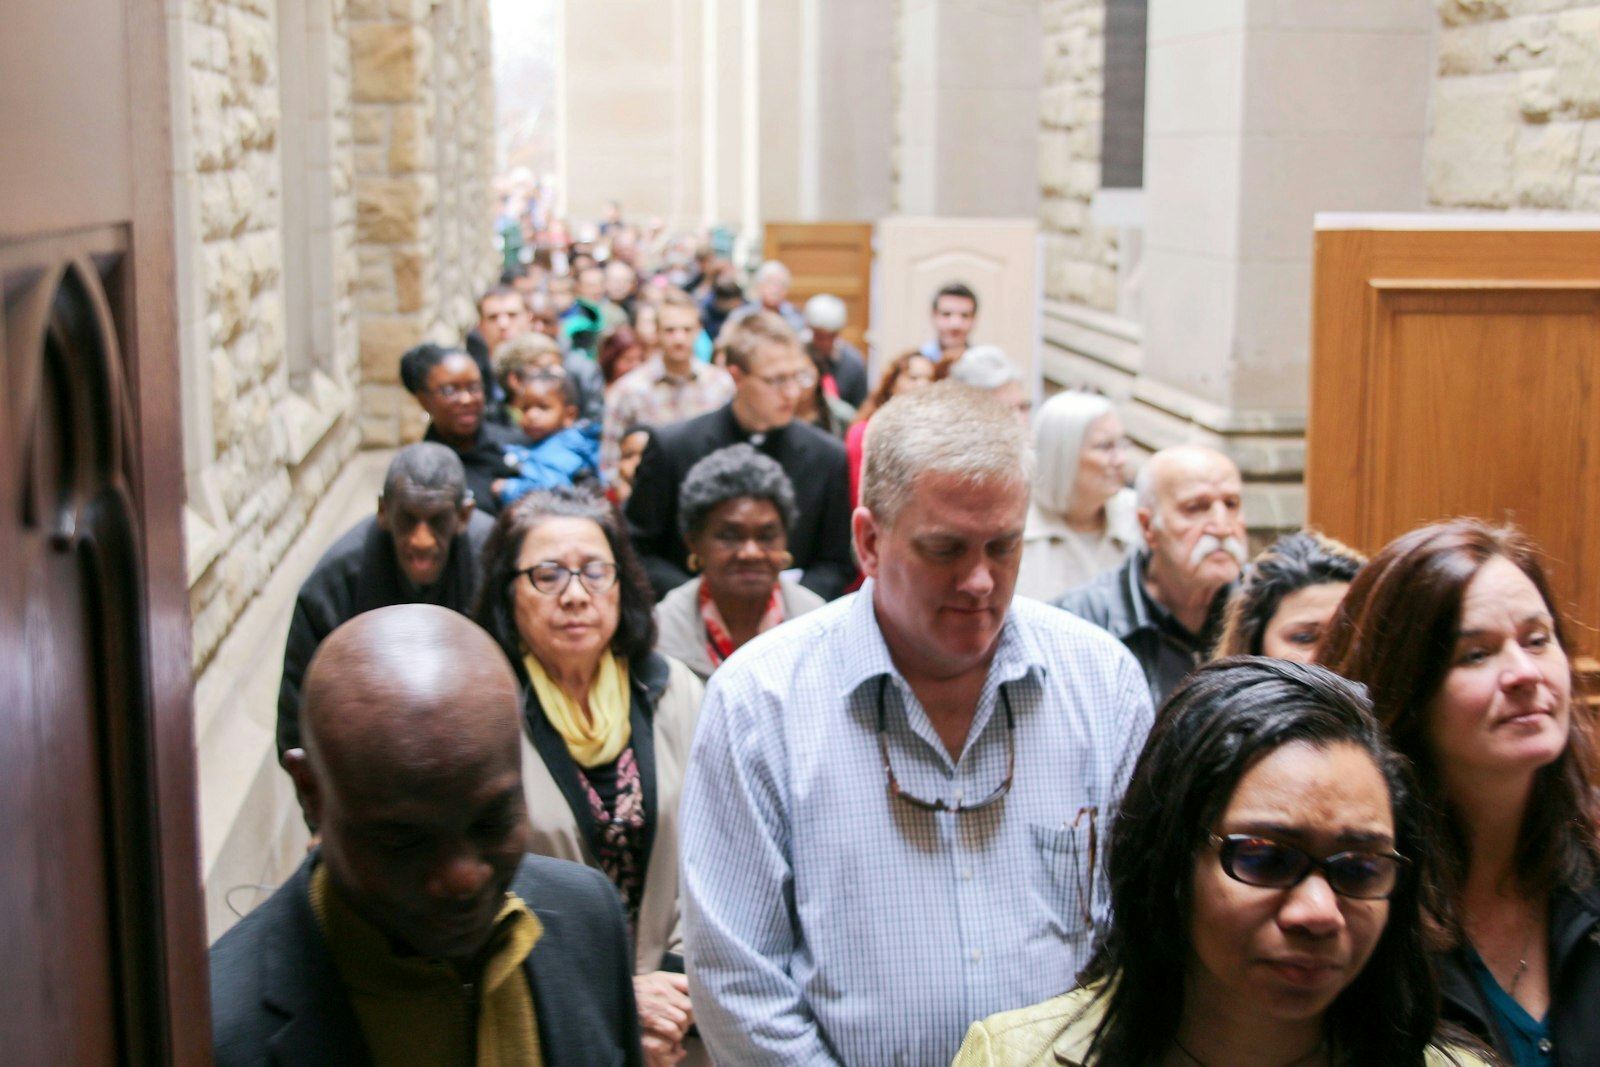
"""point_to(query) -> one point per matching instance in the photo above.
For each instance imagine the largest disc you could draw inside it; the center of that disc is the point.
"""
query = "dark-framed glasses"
(1269, 864)
(552, 579)
(450, 390)
(942, 805)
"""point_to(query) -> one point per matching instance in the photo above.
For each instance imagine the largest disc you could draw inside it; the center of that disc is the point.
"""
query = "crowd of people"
(691, 697)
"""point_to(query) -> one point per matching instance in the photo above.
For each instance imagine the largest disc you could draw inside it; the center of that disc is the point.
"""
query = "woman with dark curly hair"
(1287, 597)
(1454, 631)
(734, 511)
(607, 723)
(1265, 908)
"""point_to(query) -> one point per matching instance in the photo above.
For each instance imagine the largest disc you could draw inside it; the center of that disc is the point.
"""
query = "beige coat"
(556, 831)
(680, 633)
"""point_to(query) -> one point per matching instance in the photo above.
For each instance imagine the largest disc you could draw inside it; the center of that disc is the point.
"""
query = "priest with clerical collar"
(770, 370)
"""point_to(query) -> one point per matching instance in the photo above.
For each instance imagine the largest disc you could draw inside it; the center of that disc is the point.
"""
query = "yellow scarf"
(598, 738)
(412, 1009)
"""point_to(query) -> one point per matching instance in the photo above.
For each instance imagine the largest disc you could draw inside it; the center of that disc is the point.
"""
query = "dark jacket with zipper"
(1574, 985)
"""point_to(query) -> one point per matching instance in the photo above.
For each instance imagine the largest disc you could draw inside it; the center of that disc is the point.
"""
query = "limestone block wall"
(1516, 106)
(422, 92)
(1080, 257)
(265, 433)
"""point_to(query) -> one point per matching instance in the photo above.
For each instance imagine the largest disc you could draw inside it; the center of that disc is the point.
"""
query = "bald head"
(409, 684)
(1171, 467)
(412, 774)
(1192, 515)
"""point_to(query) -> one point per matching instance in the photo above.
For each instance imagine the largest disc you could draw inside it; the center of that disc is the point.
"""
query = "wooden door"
(828, 257)
(101, 937)
(1457, 372)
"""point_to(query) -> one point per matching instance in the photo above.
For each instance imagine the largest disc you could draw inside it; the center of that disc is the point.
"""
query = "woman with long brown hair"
(1455, 633)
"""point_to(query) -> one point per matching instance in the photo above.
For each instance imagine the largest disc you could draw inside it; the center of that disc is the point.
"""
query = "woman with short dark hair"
(1289, 593)
(1265, 910)
(1454, 631)
(734, 512)
(607, 722)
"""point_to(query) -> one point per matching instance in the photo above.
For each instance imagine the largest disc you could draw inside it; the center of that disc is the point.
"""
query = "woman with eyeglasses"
(1082, 518)
(1265, 908)
(607, 724)
(1455, 633)
(734, 510)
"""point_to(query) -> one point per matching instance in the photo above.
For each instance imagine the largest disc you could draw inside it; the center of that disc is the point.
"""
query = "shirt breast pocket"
(1062, 875)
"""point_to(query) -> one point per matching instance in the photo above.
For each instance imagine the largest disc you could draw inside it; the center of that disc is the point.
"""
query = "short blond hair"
(741, 337)
(517, 355)
(946, 428)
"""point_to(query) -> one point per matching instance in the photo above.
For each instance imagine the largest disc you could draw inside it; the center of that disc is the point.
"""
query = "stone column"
(419, 127)
(1258, 115)
(968, 107)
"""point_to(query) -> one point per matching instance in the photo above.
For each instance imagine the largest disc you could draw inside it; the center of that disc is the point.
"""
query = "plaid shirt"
(828, 922)
(649, 396)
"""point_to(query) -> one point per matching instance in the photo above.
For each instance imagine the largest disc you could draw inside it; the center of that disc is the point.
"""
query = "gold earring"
(694, 563)
(788, 561)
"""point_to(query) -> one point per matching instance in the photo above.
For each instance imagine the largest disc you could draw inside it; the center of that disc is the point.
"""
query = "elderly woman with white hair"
(1082, 519)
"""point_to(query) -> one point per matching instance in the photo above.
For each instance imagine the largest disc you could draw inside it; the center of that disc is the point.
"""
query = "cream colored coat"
(556, 831)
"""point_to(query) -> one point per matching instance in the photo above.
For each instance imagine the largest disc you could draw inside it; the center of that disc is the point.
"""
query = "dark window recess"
(1122, 128)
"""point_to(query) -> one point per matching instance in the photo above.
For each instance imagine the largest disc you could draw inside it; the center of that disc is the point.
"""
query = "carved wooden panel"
(1458, 373)
(828, 257)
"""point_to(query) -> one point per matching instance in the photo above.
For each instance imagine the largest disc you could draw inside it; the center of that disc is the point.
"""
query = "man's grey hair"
(774, 270)
(826, 312)
(732, 473)
(947, 428)
(985, 367)
(426, 467)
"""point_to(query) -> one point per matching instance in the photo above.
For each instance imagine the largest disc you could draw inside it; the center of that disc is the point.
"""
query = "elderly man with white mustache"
(1165, 602)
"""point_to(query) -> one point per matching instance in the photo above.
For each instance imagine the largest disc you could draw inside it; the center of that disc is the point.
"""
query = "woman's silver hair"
(732, 473)
(946, 428)
(1059, 427)
(985, 367)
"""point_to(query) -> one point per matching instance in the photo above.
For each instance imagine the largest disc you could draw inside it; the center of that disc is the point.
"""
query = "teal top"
(1526, 1039)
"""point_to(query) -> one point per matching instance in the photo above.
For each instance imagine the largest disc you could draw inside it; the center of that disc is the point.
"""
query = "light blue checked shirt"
(827, 922)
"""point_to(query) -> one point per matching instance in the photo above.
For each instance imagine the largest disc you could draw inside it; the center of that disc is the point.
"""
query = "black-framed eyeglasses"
(552, 579)
(1269, 864)
(942, 805)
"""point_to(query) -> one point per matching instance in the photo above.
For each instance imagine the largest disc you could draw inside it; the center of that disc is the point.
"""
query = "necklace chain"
(1302, 1058)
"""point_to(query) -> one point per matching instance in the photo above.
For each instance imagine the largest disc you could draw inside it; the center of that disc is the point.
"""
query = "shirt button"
(1545, 1045)
(976, 955)
(960, 795)
(966, 874)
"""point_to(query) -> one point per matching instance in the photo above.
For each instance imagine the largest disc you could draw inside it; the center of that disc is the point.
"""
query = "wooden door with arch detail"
(102, 948)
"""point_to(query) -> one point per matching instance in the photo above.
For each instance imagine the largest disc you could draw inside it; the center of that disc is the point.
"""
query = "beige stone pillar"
(969, 106)
(423, 222)
(1258, 115)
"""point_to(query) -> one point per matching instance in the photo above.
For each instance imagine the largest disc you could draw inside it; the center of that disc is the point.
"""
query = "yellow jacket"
(1057, 1033)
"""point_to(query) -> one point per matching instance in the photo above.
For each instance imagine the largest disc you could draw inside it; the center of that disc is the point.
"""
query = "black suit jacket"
(276, 998)
(814, 461)
(485, 462)
(361, 572)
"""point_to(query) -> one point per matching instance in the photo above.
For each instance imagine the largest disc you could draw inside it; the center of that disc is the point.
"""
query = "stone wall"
(423, 120)
(260, 449)
(1516, 106)
(1080, 257)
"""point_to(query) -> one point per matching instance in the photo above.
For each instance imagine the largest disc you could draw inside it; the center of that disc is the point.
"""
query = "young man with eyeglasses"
(894, 805)
(770, 371)
(447, 384)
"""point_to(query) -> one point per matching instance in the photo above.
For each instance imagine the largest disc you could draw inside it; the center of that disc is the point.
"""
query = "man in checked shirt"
(893, 805)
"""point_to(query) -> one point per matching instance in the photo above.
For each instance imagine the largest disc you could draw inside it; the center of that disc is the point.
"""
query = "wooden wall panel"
(828, 257)
(1458, 373)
